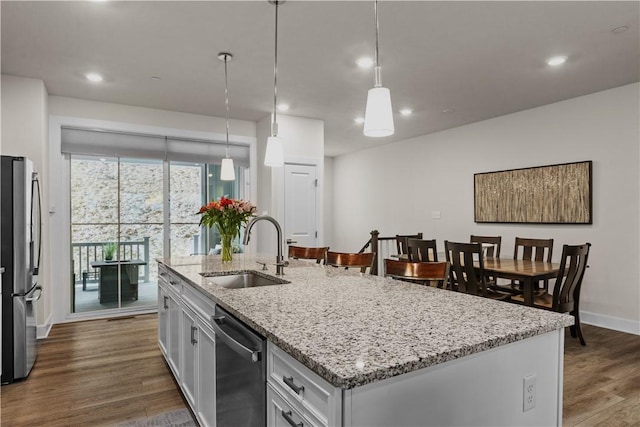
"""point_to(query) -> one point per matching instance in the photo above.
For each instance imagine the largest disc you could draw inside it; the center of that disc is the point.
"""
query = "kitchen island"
(385, 352)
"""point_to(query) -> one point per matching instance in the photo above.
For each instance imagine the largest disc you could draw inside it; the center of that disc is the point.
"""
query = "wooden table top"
(521, 267)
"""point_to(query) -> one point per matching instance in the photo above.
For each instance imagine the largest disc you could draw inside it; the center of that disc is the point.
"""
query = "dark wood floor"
(104, 372)
(95, 373)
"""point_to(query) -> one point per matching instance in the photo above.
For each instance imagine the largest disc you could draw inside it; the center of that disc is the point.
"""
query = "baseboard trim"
(609, 322)
(42, 331)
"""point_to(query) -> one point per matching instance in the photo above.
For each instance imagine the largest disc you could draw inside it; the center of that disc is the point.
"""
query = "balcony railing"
(84, 253)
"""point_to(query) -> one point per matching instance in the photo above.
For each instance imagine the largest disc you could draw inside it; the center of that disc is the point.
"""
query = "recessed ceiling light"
(359, 120)
(619, 30)
(283, 107)
(448, 110)
(365, 62)
(94, 77)
(556, 60)
(406, 111)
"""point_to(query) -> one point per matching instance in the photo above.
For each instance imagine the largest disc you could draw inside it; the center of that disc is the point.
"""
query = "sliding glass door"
(118, 224)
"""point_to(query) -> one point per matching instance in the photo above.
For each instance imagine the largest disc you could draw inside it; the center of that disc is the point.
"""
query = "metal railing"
(84, 253)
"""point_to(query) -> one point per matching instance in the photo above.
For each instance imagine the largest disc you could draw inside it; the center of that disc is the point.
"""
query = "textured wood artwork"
(556, 194)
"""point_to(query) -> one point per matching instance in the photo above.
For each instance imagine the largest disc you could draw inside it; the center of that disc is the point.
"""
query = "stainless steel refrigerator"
(20, 237)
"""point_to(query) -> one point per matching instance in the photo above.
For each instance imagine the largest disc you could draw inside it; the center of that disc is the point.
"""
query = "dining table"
(526, 271)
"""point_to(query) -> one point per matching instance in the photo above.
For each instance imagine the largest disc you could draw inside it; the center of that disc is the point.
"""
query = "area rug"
(179, 418)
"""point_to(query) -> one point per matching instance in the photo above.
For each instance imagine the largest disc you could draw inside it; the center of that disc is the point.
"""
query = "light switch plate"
(435, 214)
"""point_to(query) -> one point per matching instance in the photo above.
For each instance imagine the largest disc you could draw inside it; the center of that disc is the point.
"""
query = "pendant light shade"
(227, 171)
(378, 116)
(274, 154)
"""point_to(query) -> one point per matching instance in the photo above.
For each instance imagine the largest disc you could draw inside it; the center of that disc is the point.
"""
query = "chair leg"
(578, 328)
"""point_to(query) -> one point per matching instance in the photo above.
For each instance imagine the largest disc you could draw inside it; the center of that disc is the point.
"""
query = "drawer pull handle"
(289, 381)
(173, 282)
(163, 274)
(166, 298)
(193, 333)
(287, 417)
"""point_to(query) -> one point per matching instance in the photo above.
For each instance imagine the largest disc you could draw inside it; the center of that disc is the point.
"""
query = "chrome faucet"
(280, 262)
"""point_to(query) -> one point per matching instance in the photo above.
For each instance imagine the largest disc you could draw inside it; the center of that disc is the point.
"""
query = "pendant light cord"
(377, 71)
(274, 126)
(226, 96)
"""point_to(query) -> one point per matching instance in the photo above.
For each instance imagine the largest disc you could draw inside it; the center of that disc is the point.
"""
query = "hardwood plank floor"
(105, 372)
(94, 373)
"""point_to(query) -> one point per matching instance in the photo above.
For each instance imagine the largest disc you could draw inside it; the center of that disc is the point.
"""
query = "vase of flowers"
(227, 215)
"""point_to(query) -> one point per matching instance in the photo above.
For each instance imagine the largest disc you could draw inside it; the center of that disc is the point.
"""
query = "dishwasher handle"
(245, 352)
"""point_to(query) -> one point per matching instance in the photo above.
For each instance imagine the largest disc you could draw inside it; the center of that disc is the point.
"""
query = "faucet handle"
(264, 265)
(283, 263)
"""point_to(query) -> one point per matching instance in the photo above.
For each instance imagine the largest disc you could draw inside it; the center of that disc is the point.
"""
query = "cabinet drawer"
(280, 413)
(316, 397)
(202, 305)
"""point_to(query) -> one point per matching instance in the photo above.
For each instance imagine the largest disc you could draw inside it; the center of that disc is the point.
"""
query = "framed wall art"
(554, 194)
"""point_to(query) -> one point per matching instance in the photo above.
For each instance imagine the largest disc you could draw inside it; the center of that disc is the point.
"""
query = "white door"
(300, 204)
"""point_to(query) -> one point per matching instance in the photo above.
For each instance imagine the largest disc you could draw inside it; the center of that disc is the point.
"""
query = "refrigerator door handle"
(24, 294)
(33, 299)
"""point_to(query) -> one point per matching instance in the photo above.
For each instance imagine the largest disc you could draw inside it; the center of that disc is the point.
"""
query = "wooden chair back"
(299, 252)
(533, 249)
(401, 241)
(573, 264)
(464, 276)
(422, 250)
(496, 241)
(423, 272)
(362, 260)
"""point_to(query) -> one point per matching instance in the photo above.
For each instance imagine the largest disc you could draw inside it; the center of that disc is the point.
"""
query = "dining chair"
(401, 241)
(361, 260)
(432, 273)
(300, 252)
(566, 292)
(466, 277)
(533, 250)
(494, 241)
(422, 250)
(491, 247)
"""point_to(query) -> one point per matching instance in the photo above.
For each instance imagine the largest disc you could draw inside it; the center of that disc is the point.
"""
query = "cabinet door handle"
(193, 335)
(289, 381)
(287, 416)
(166, 299)
(173, 282)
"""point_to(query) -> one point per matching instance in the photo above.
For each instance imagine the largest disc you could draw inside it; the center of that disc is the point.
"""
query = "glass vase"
(227, 249)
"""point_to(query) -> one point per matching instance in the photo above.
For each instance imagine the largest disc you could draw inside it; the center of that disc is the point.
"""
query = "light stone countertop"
(352, 329)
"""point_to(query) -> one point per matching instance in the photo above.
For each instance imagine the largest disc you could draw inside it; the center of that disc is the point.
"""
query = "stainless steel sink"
(243, 280)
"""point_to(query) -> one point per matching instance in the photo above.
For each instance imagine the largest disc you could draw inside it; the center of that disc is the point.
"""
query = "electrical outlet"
(529, 392)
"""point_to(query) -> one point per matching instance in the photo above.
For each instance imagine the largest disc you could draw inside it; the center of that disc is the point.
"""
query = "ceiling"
(478, 59)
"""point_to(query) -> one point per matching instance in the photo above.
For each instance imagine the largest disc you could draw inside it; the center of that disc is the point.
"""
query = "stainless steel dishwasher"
(241, 366)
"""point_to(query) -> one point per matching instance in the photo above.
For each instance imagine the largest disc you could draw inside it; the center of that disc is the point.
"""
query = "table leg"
(528, 291)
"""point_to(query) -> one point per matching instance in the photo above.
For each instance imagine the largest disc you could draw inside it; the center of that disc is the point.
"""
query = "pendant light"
(378, 116)
(227, 171)
(274, 155)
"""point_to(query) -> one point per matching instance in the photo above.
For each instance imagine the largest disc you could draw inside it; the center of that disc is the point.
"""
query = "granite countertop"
(352, 329)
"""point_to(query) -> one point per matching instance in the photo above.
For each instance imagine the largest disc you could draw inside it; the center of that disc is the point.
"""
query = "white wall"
(303, 143)
(394, 188)
(25, 133)
(328, 201)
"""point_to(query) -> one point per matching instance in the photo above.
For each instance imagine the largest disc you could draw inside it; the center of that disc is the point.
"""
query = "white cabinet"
(280, 412)
(206, 376)
(303, 391)
(188, 343)
(169, 326)
(189, 355)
